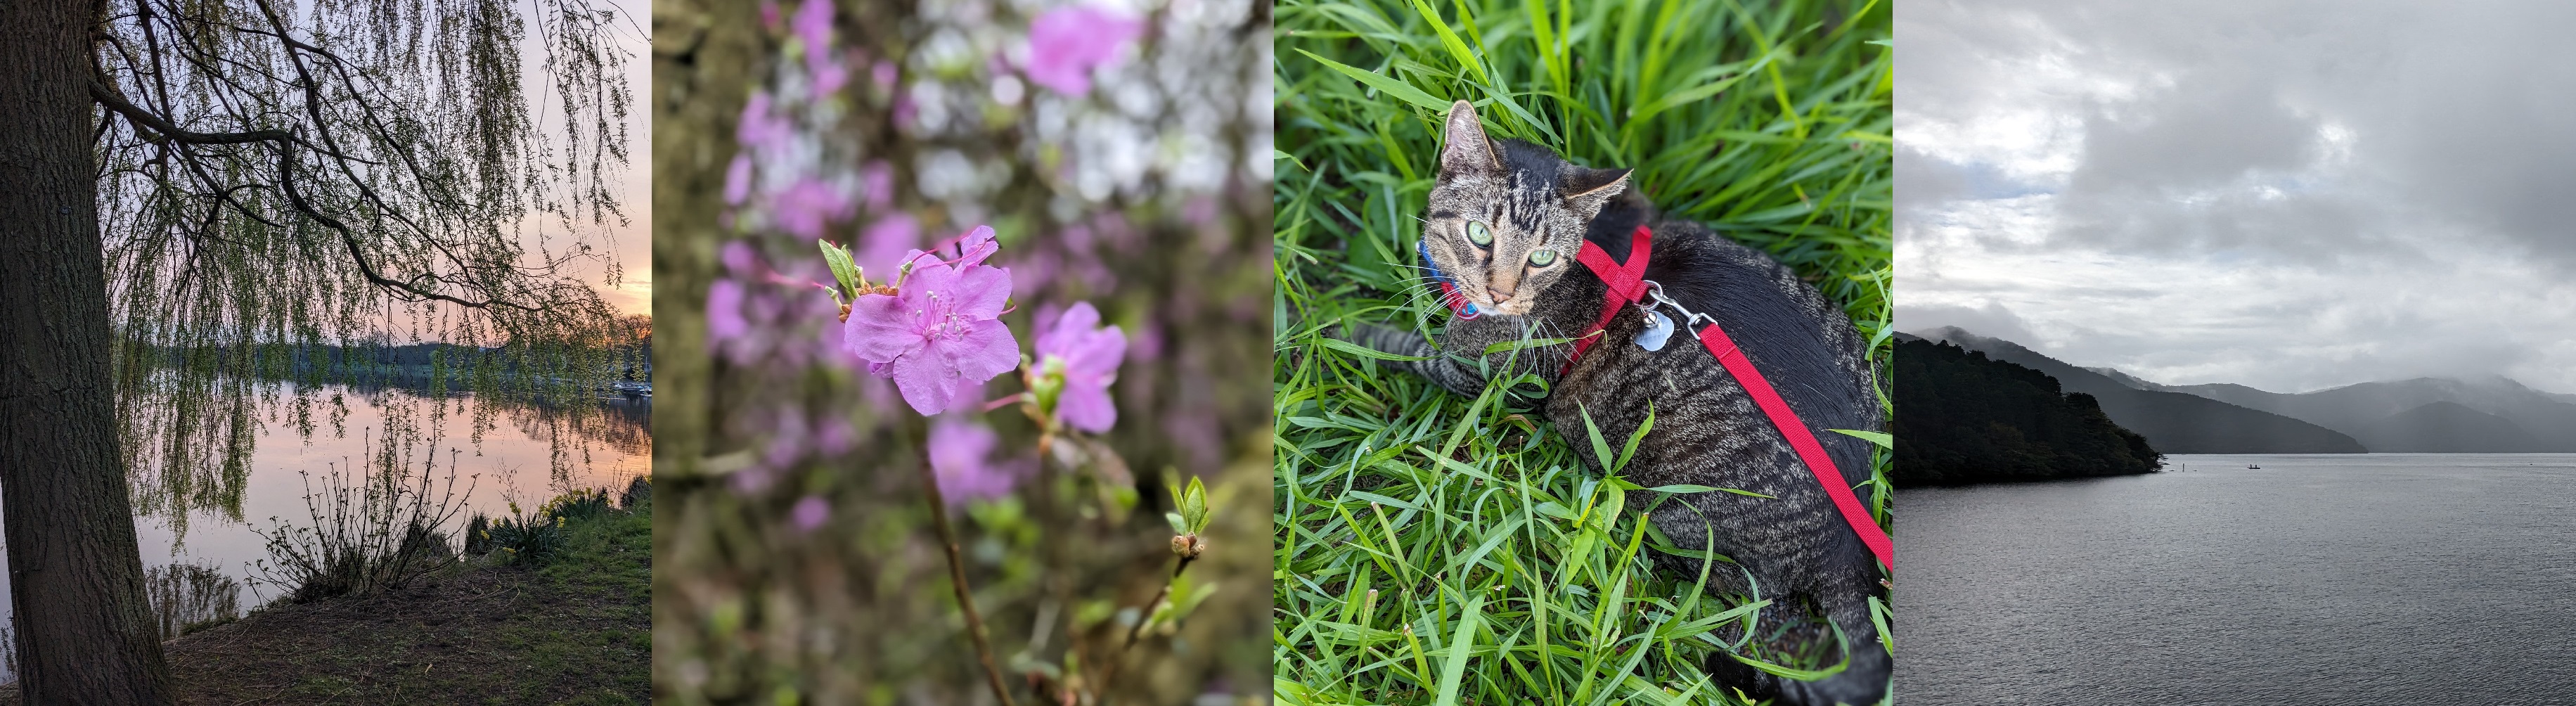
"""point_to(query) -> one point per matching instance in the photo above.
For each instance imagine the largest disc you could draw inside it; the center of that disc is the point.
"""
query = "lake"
(515, 457)
(2325, 579)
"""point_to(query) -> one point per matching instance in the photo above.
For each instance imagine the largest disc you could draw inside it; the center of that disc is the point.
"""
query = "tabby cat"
(1505, 222)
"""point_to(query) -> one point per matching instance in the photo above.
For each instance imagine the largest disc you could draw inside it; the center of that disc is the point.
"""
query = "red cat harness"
(1628, 284)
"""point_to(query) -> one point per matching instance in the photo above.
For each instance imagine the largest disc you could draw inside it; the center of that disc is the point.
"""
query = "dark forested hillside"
(1964, 418)
(2176, 422)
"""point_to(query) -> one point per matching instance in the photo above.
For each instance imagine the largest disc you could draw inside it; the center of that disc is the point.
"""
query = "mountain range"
(2493, 414)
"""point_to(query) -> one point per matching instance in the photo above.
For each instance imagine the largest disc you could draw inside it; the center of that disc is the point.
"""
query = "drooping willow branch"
(307, 191)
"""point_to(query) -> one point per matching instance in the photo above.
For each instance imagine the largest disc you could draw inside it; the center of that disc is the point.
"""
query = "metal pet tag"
(1658, 329)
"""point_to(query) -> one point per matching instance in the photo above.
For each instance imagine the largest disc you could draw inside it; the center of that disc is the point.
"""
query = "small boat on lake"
(2252, 466)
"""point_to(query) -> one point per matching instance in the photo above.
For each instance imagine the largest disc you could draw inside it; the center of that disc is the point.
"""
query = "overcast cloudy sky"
(2289, 195)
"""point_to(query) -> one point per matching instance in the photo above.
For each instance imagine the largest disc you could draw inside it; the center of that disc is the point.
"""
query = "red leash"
(1627, 284)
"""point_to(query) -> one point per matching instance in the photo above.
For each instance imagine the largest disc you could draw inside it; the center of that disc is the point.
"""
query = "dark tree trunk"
(85, 633)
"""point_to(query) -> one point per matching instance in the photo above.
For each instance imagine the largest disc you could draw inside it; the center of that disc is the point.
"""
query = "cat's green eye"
(1542, 257)
(1476, 233)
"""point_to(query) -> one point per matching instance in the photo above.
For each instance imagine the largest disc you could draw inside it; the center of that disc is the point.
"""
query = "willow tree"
(201, 190)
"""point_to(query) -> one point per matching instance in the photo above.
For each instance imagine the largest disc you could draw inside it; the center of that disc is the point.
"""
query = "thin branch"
(957, 580)
(146, 118)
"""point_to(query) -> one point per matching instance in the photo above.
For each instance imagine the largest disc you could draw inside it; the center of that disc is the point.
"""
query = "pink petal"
(882, 247)
(985, 351)
(981, 291)
(880, 329)
(1100, 352)
(1059, 339)
(928, 276)
(738, 179)
(927, 382)
(810, 513)
(975, 246)
(1086, 407)
(724, 312)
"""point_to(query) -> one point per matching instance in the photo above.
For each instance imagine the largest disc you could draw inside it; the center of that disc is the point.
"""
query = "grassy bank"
(1437, 548)
(576, 630)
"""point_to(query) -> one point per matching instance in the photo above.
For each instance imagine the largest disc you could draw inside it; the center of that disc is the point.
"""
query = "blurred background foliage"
(1433, 548)
(796, 563)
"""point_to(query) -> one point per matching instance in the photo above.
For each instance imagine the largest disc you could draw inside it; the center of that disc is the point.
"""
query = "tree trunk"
(85, 633)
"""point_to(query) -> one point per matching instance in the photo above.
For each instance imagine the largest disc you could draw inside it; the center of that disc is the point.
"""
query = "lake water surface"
(515, 458)
(2326, 579)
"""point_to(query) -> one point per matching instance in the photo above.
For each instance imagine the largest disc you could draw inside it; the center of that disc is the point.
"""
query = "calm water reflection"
(2344, 579)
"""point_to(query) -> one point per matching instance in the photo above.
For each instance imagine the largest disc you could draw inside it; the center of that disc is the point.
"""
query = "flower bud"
(1188, 546)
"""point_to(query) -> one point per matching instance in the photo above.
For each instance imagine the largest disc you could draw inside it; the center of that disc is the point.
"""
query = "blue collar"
(1449, 294)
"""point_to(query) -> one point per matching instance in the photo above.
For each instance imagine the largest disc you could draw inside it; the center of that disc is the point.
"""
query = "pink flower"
(1066, 42)
(877, 181)
(975, 246)
(829, 75)
(760, 129)
(806, 206)
(738, 179)
(724, 313)
(936, 331)
(810, 512)
(883, 73)
(883, 245)
(1087, 355)
(813, 24)
(739, 259)
(958, 451)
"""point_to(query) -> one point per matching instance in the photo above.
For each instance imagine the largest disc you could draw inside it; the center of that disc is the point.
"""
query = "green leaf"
(1454, 667)
(1600, 448)
(843, 270)
(1882, 439)
(1367, 352)
(1194, 506)
(1397, 89)
(1525, 344)
(1457, 49)
(1276, 155)
(1631, 449)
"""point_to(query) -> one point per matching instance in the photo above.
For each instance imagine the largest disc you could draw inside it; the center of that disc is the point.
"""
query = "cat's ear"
(1463, 147)
(1587, 190)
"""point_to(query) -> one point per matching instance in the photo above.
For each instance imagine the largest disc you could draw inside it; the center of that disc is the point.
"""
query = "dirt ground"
(577, 631)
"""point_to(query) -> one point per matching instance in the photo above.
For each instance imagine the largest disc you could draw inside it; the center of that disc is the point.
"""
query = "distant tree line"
(1964, 418)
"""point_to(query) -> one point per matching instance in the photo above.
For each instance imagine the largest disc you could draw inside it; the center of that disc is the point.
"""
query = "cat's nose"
(1500, 291)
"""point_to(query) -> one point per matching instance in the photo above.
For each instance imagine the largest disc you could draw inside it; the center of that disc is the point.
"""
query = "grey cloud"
(2435, 235)
(2457, 111)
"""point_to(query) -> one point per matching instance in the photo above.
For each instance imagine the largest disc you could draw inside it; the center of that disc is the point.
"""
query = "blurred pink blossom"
(883, 244)
(738, 258)
(936, 331)
(738, 179)
(806, 206)
(1066, 42)
(883, 73)
(959, 451)
(1087, 355)
(876, 179)
(829, 75)
(759, 128)
(724, 312)
(813, 24)
(810, 512)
